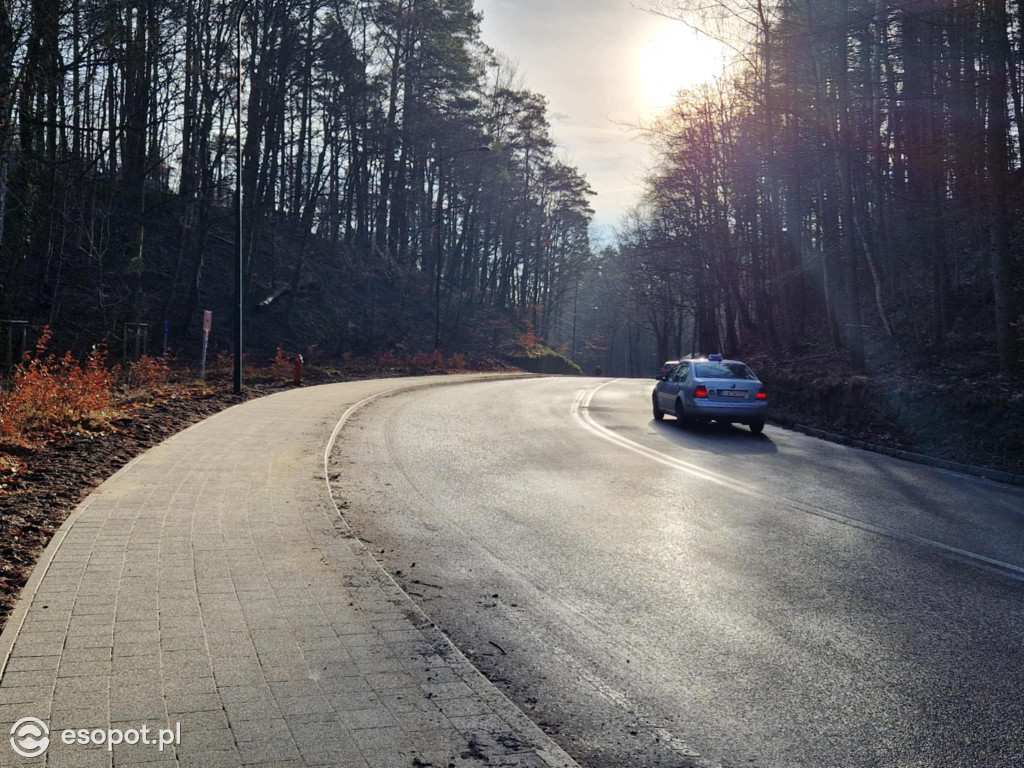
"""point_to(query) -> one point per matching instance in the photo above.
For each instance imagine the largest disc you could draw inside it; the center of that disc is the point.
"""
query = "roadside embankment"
(964, 423)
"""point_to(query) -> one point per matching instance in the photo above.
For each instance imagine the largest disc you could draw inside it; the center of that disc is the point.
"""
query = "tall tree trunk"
(998, 172)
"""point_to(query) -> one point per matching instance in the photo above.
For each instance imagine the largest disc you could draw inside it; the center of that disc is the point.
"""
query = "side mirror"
(661, 377)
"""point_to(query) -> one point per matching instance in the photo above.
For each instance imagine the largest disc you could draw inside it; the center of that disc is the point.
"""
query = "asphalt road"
(657, 596)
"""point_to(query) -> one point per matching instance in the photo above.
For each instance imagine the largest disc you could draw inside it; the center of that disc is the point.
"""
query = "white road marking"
(623, 702)
(582, 402)
(337, 430)
(580, 407)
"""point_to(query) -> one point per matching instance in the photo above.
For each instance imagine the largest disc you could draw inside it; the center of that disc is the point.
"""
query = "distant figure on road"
(597, 371)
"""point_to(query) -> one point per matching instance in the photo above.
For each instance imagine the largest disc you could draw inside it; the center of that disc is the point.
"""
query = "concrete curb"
(917, 458)
(544, 746)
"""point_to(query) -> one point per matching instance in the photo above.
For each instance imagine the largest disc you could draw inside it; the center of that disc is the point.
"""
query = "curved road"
(657, 596)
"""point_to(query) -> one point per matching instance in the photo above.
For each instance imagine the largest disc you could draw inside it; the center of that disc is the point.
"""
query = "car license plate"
(731, 393)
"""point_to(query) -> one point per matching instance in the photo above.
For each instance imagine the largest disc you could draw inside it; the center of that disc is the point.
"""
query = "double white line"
(580, 411)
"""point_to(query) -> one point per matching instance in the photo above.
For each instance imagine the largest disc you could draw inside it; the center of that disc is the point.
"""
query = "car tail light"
(700, 391)
(762, 395)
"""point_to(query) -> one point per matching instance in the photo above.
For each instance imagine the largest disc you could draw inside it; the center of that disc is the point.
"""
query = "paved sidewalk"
(211, 583)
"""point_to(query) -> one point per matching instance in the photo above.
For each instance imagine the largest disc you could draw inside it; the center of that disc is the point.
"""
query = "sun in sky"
(676, 58)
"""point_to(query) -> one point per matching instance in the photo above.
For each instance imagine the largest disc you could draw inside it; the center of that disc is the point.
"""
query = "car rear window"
(722, 371)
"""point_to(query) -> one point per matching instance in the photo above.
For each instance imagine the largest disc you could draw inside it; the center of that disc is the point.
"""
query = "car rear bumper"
(741, 412)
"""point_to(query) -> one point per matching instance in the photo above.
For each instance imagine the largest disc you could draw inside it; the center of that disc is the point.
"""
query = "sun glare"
(676, 58)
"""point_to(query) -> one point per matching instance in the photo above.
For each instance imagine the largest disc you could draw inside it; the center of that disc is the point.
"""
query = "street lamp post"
(240, 266)
(438, 238)
(575, 305)
(437, 261)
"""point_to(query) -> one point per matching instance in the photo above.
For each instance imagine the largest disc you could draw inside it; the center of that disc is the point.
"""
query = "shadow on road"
(723, 439)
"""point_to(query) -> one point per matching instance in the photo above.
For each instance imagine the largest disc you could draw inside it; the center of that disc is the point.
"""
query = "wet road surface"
(663, 596)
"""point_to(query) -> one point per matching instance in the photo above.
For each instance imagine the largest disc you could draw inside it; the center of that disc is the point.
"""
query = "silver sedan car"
(711, 389)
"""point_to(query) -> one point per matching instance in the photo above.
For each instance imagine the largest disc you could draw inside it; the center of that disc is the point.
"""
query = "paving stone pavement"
(212, 584)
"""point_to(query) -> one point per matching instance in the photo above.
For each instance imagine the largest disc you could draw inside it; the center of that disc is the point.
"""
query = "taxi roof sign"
(715, 358)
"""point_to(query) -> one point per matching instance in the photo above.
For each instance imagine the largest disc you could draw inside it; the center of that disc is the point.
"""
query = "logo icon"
(30, 737)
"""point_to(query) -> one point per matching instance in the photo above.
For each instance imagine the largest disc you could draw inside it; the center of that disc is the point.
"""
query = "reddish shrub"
(457, 362)
(282, 365)
(149, 372)
(225, 362)
(388, 359)
(50, 392)
(527, 341)
(428, 361)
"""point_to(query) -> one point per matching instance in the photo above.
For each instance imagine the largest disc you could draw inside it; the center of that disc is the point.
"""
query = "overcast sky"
(599, 62)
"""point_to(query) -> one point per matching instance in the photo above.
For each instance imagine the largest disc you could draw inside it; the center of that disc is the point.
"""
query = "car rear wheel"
(757, 426)
(681, 413)
(658, 413)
